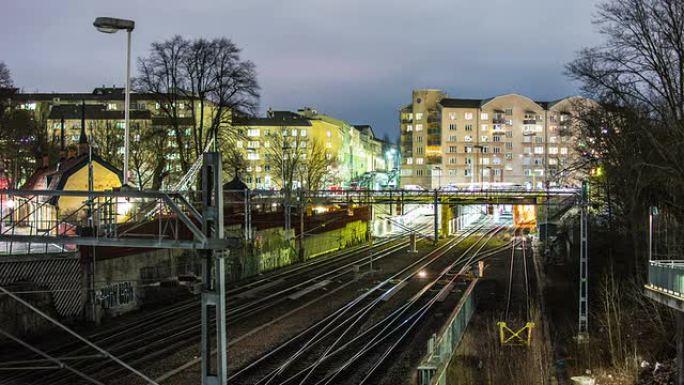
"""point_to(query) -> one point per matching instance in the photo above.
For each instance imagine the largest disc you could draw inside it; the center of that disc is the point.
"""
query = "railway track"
(326, 352)
(178, 326)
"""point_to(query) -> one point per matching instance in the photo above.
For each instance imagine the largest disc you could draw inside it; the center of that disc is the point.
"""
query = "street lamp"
(112, 25)
(439, 177)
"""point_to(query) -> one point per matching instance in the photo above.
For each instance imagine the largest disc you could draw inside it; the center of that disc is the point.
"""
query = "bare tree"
(198, 85)
(286, 154)
(149, 146)
(234, 162)
(638, 78)
(316, 169)
(5, 77)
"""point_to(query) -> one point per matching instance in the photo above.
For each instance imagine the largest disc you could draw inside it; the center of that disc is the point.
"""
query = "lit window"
(553, 150)
(253, 144)
(253, 132)
(468, 116)
(419, 115)
(111, 106)
(419, 127)
(409, 160)
(302, 133)
(328, 133)
(468, 138)
(239, 144)
(484, 116)
(484, 138)
(539, 150)
(419, 160)
(564, 150)
(452, 115)
(484, 127)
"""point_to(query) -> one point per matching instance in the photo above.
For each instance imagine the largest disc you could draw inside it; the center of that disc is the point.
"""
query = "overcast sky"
(354, 59)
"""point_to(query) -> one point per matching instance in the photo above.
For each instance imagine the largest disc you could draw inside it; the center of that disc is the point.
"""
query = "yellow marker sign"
(521, 337)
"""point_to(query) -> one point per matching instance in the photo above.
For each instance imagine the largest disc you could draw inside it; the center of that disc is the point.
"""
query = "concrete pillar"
(412, 243)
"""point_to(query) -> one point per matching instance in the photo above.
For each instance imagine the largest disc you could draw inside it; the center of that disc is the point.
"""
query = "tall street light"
(112, 25)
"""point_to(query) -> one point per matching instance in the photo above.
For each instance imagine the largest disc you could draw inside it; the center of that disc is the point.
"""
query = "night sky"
(354, 59)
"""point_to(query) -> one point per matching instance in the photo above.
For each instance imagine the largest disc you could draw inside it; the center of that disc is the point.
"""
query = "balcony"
(529, 121)
(498, 120)
(666, 283)
(434, 160)
(406, 121)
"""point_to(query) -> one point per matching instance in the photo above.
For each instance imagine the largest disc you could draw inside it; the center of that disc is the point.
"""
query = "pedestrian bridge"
(666, 283)
(464, 196)
(37, 222)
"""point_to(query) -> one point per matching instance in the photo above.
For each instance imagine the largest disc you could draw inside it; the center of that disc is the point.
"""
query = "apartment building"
(507, 139)
(354, 152)
(103, 110)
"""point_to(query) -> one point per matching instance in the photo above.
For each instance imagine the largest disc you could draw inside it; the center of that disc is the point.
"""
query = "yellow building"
(354, 152)
(69, 174)
(507, 139)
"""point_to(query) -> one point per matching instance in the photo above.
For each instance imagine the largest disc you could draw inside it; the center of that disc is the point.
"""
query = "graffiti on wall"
(116, 294)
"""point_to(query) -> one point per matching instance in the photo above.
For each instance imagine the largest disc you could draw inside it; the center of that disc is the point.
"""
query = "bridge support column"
(213, 274)
(436, 213)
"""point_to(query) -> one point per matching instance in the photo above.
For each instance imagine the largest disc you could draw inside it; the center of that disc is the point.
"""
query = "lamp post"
(439, 177)
(112, 25)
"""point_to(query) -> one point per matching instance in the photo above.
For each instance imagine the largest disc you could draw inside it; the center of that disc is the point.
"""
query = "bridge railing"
(406, 196)
(667, 277)
(125, 218)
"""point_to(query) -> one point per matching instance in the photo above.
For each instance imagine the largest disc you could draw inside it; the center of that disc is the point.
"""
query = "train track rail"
(326, 352)
(178, 326)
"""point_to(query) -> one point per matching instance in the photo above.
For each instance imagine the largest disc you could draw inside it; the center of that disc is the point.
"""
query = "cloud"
(356, 59)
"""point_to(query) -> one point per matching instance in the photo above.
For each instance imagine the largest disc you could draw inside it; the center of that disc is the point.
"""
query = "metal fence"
(667, 277)
(442, 346)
